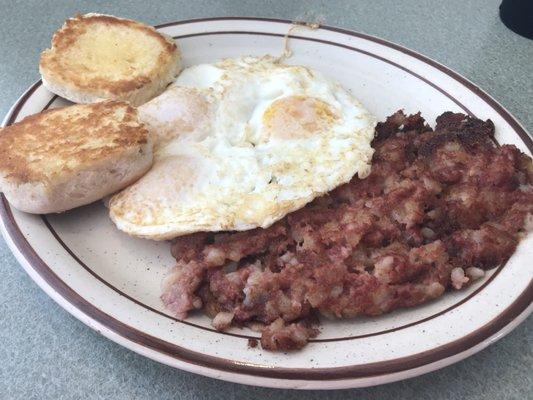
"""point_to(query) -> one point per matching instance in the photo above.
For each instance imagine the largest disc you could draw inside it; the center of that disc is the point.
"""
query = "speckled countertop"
(47, 354)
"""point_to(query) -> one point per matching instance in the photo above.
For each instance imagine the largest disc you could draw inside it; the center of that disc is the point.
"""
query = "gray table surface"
(47, 354)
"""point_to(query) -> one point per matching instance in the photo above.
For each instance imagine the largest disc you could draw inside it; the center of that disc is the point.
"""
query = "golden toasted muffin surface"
(45, 146)
(104, 53)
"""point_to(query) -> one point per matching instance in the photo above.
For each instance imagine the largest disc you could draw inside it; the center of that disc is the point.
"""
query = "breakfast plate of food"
(270, 203)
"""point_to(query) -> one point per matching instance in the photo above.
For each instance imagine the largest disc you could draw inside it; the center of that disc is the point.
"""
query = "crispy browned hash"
(439, 208)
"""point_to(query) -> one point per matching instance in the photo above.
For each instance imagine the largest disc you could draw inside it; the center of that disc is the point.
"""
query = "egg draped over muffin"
(241, 143)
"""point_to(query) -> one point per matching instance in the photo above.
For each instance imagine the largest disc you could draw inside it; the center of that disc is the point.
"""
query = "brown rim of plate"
(348, 372)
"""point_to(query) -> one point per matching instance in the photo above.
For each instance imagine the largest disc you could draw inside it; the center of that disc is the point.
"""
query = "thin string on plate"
(299, 23)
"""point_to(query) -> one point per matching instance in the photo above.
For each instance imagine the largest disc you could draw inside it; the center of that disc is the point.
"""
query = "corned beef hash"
(439, 208)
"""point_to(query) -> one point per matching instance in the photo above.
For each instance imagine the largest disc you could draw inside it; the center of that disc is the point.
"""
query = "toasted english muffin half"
(95, 57)
(67, 157)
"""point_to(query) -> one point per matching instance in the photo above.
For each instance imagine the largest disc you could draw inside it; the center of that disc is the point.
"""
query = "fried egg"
(239, 144)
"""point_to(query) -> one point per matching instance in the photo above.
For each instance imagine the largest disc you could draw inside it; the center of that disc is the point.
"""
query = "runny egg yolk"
(297, 117)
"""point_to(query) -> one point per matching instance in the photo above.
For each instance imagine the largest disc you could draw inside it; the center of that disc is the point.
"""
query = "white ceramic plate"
(112, 282)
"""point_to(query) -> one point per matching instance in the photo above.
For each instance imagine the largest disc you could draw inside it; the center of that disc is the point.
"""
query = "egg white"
(241, 143)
